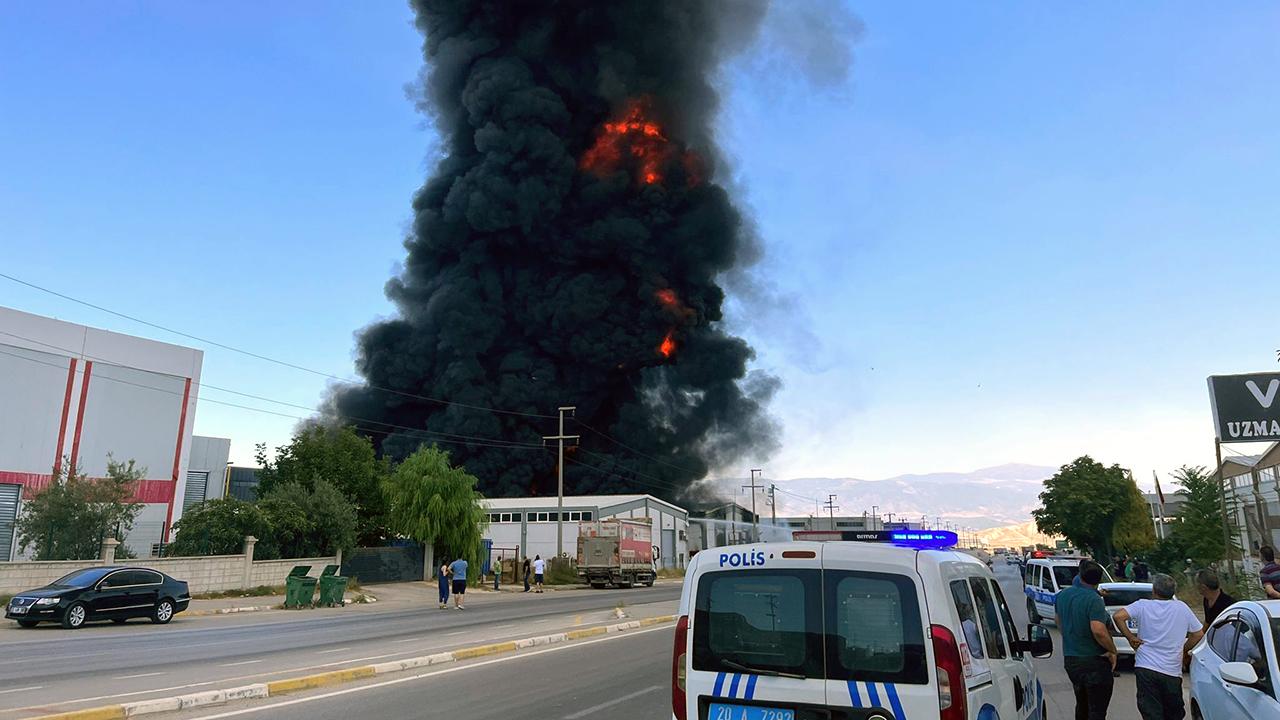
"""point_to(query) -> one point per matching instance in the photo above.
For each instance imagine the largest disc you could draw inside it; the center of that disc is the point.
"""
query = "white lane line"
(412, 639)
(420, 676)
(326, 652)
(139, 675)
(501, 627)
(242, 662)
(460, 632)
(14, 690)
(611, 703)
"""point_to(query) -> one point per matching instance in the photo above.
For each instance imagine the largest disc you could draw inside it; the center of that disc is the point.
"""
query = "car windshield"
(1066, 574)
(80, 578)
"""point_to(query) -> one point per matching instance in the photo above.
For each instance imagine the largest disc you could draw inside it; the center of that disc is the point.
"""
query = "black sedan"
(101, 593)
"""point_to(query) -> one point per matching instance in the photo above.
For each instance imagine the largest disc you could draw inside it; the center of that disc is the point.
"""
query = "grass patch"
(260, 591)
(667, 573)
(4, 599)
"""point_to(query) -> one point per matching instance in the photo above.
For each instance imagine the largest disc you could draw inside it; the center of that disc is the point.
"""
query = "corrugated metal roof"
(580, 501)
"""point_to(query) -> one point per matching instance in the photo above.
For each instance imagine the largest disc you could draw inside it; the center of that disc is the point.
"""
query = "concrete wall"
(202, 574)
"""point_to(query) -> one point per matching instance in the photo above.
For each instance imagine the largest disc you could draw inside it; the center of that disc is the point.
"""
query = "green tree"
(69, 519)
(1133, 532)
(1200, 531)
(437, 504)
(218, 527)
(336, 454)
(1083, 502)
(308, 522)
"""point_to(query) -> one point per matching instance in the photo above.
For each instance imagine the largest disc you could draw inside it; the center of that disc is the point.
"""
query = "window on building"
(544, 517)
(515, 517)
(586, 516)
(575, 516)
(506, 517)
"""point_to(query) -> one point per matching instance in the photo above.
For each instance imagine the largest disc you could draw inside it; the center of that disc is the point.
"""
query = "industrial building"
(75, 395)
(526, 527)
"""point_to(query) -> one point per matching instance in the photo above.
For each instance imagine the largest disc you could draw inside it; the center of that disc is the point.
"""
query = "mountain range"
(986, 498)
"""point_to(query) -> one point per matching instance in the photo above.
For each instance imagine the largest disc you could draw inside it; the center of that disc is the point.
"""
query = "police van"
(888, 625)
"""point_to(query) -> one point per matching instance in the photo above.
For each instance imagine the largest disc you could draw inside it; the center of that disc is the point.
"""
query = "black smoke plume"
(566, 251)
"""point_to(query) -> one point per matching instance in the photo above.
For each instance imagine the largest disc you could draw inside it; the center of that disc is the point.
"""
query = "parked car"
(101, 593)
(1119, 595)
(1234, 668)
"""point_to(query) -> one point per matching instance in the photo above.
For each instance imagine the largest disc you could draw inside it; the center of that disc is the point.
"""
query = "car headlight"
(48, 601)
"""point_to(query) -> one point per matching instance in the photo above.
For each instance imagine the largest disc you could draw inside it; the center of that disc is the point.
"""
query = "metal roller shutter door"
(9, 495)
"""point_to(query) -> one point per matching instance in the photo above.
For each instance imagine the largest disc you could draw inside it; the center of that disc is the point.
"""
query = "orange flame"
(668, 297)
(635, 135)
(668, 346)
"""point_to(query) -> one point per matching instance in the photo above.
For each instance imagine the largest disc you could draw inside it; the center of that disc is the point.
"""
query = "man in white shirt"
(1167, 630)
(539, 568)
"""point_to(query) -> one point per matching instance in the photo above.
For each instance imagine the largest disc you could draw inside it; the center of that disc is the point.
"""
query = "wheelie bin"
(298, 587)
(332, 586)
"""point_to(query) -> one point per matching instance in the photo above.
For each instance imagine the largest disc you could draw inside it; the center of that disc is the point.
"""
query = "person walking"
(527, 570)
(1167, 630)
(497, 573)
(1088, 652)
(459, 570)
(1215, 598)
(1269, 575)
(1128, 569)
(442, 577)
(539, 569)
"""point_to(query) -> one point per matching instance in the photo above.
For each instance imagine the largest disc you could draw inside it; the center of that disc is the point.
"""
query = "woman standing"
(442, 575)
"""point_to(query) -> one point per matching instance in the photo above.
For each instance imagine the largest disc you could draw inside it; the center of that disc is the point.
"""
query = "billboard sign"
(1246, 408)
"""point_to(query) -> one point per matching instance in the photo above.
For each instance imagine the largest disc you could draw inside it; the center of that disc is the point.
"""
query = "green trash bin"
(298, 587)
(332, 586)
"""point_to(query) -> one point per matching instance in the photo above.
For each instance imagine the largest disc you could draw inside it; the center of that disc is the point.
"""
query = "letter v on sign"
(1264, 399)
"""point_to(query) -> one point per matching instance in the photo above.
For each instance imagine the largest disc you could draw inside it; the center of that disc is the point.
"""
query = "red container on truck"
(617, 551)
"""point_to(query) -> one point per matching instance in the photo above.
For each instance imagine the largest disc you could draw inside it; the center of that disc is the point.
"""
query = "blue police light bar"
(919, 539)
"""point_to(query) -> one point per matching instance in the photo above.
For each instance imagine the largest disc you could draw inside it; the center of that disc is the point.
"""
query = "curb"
(338, 677)
(228, 611)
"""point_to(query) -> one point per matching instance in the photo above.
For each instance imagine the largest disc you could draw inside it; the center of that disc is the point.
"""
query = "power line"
(434, 435)
(265, 358)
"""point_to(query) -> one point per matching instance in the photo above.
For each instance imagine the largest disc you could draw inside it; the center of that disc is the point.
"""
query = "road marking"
(326, 652)
(412, 639)
(139, 675)
(242, 662)
(436, 673)
(14, 690)
(611, 703)
(500, 627)
(460, 632)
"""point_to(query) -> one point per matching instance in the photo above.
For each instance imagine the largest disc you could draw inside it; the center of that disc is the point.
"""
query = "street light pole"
(755, 519)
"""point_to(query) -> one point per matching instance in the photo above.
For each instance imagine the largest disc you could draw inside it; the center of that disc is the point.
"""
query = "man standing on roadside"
(459, 569)
(539, 568)
(1270, 573)
(1167, 630)
(1088, 652)
(527, 570)
(1215, 598)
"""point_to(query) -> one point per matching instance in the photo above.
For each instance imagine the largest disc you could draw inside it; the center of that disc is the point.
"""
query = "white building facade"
(74, 396)
(526, 527)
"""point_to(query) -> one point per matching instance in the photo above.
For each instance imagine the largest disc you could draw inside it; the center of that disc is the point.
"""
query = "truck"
(617, 551)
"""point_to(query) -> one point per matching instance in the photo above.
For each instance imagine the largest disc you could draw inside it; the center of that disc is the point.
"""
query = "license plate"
(18, 609)
(1132, 625)
(720, 711)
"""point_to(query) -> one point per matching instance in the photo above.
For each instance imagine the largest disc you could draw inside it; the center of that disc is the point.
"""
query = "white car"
(889, 626)
(1047, 576)
(1234, 669)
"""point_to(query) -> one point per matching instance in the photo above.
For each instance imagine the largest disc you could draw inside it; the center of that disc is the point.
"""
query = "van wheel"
(1033, 617)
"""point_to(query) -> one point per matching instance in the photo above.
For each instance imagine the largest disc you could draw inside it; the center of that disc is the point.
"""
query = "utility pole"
(755, 519)
(560, 438)
(831, 507)
(890, 517)
(1222, 498)
(875, 517)
(773, 503)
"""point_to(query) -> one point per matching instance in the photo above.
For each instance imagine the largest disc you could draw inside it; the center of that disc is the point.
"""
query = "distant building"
(1253, 497)
(1165, 517)
(242, 483)
(526, 527)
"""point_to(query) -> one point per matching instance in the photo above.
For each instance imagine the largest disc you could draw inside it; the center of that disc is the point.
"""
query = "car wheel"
(74, 617)
(1033, 617)
(119, 621)
(163, 612)
(28, 623)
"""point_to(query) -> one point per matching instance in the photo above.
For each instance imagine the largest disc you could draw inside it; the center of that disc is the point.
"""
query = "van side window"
(1007, 617)
(968, 618)
(1046, 580)
(874, 631)
(990, 619)
(769, 620)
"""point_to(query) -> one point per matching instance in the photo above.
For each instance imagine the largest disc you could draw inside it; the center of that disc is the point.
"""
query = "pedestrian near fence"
(1167, 630)
(458, 568)
(539, 569)
(527, 570)
(1088, 652)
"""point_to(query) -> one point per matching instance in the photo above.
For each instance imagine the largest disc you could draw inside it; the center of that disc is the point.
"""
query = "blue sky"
(1017, 232)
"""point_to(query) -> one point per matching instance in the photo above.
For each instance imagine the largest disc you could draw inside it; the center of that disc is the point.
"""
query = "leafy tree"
(309, 522)
(1200, 531)
(1083, 502)
(437, 504)
(336, 454)
(1133, 531)
(69, 519)
(218, 527)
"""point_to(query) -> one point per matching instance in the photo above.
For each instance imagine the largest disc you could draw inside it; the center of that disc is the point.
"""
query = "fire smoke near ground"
(566, 250)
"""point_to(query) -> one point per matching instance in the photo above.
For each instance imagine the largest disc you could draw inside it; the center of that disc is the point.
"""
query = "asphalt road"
(51, 670)
(621, 677)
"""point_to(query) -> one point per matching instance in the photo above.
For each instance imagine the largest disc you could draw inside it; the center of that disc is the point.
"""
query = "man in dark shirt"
(1088, 652)
(1215, 599)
